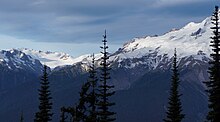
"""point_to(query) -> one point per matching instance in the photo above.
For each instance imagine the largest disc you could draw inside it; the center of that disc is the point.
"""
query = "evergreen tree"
(78, 112)
(44, 114)
(71, 111)
(81, 107)
(105, 90)
(90, 108)
(63, 117)
(85, 110)
(214, 70)
(92, 96)
(174, 112)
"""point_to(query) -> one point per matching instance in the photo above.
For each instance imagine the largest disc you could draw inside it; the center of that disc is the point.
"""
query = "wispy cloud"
(168, 3)
(75, 49)
(83, 21)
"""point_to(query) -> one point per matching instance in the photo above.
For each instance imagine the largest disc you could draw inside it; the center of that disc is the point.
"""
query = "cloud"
(196, 8)
(55, 20)
(74, 49)
(83, 21)
(168, 3)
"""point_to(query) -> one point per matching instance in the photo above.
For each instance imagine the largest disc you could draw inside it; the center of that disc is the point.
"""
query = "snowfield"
(191, 40)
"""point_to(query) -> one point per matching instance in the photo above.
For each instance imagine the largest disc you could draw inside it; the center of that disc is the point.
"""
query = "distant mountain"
(16, 68)
(193, 39)
(141, 72)
(56, 59)
(14, 59)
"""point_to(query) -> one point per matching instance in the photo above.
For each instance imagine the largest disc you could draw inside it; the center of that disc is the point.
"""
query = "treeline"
(94, 103)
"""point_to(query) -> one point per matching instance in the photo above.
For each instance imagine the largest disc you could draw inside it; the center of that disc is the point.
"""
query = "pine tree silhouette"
(81, 108)
(214, 70)
(94, 105)
(174, 112)
(92, 96)
(85, 109)
(105, 90)
(44, 114)
(63, 117)
(71, 111)
(78, 112)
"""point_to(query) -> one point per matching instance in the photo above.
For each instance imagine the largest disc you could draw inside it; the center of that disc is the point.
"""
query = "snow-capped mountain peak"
(189, 40)
(16, 59)
(152, 51)
(54, 59)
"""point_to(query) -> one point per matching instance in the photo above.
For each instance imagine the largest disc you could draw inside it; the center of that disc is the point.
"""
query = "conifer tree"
(105, 90)
(92, 96)
(63, 117)
(85, 110)
(81, 107)
(213, 84)
(78, 112)
(71, 111)
(44, 114)
(174, 112)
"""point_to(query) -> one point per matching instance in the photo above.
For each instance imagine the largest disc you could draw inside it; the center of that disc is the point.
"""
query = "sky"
(76, 26)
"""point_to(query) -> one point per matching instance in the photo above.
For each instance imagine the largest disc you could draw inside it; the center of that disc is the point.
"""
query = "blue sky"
(76, 26)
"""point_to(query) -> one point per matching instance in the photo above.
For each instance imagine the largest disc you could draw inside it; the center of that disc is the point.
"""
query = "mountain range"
(141, 73)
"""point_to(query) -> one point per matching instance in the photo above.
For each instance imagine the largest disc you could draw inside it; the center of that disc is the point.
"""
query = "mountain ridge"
(140, 71)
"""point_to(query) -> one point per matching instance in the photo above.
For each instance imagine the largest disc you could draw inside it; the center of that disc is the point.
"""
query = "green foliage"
(174, 112)
(214, 70)
(44, 114)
